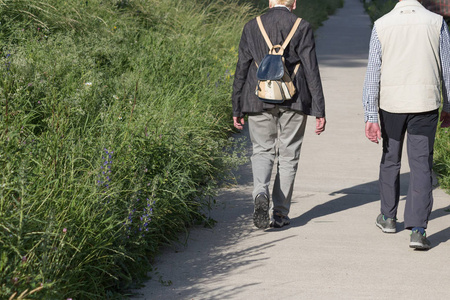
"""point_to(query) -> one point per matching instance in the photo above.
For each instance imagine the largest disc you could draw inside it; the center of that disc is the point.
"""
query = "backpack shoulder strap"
(288, 38)
(297, 66)
(263, 32)
(291, 33)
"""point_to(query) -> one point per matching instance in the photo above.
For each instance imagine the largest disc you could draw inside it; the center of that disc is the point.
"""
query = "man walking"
(276, 130)
(409, 61)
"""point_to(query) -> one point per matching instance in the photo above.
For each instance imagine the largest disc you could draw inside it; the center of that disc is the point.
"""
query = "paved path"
(332, 250)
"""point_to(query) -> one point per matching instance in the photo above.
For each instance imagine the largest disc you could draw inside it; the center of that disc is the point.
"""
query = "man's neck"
(279, 5)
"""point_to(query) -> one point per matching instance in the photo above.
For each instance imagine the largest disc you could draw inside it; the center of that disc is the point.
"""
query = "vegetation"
(314, 12)
(114, 135)
(317, 11)
(376, 9)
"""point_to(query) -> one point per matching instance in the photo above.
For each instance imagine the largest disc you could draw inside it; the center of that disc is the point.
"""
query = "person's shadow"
(363, 194)
(351, 197)
(443, 235)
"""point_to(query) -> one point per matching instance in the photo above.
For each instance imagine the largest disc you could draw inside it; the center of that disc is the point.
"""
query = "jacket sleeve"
(240, 76)
(371, 90)
(445, 65)
(307, 53)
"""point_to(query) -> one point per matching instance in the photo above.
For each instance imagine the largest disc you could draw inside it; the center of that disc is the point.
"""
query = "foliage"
(442, 157)
(315, 12)
(378, 8)
(113, 136)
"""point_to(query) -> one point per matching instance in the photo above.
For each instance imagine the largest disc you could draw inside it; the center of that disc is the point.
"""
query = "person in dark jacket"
(277, 131)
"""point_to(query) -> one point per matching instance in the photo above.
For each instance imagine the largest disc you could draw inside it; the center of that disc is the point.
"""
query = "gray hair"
(287, 3)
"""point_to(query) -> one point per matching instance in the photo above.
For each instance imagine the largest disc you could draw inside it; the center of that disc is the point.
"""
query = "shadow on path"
(222, 252)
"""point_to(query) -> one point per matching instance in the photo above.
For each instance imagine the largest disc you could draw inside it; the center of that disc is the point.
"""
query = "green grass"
(114, 136)
(317, 11)
(442, 157)
(378, 8)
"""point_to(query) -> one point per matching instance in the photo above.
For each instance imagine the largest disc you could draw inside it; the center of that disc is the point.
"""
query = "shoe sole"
(277, 225)
(261, 214)
(385, 230)
(419, 246)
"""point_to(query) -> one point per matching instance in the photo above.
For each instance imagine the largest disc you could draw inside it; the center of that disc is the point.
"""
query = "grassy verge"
(114, 135)
(376, 9)
(317, 11)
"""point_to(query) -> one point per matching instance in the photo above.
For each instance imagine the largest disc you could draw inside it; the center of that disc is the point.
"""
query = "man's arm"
(238, 123)
(320, 125)
(373, 132)
(240, 76)
(371, 90)
(308, 59)
(445, 64)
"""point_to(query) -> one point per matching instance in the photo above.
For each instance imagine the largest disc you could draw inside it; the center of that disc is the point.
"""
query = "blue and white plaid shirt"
(371, 92)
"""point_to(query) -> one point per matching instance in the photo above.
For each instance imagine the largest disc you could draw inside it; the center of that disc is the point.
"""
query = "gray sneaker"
(419, 241)
(387, 225)
(261, 213)
(278, 220)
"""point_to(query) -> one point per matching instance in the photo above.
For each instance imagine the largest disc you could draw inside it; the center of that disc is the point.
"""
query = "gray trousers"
(421, 128)
(276, 133)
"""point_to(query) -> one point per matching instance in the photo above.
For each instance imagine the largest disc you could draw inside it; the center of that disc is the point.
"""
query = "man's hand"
(320, 125)
(238, 123)
(373, 132)
(445, 119)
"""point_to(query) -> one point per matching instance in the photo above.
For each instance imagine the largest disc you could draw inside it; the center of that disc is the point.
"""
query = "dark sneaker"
(261, 213)
(387, 225)
(278, 220)
(419, 241)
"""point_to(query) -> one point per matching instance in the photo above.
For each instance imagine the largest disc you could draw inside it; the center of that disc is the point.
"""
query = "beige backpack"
(275, 85)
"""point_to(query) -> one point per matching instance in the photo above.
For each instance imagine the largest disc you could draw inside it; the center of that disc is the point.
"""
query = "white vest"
(411, 66)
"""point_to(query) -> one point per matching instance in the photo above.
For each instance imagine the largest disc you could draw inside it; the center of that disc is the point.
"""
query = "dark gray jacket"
(278, 22)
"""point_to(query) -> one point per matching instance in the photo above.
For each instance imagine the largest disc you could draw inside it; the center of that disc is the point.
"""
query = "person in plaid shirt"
(408, 68)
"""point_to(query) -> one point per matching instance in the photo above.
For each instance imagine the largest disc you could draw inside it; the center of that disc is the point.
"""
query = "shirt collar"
(280, 5)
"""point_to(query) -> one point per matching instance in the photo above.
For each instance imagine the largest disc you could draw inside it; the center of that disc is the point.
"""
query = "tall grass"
(317, 11)
(114, 135)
